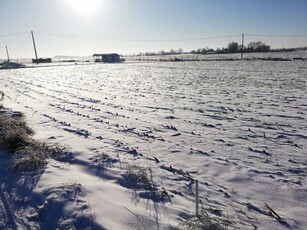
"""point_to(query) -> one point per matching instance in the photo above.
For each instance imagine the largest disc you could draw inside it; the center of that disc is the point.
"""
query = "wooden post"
(196, 198)
(7, 54)
(34, 47)
(242, 47)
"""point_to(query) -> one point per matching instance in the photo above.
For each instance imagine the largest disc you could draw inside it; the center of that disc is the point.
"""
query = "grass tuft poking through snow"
(203, 222)
(30, 155)
(139, 177)
(34, 156)
(14, 133)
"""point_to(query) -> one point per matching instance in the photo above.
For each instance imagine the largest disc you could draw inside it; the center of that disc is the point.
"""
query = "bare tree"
(258, 47)
(233, 47)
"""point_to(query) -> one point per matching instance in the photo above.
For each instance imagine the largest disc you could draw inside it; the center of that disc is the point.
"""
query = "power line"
(7, 35)
(137, 40)
(157, 40)
(25, 42)
(276, 35)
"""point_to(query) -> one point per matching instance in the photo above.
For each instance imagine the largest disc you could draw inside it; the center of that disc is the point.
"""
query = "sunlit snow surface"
(239, 127)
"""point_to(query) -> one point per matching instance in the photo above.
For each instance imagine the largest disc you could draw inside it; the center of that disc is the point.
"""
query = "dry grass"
(30, 155)
(1, 95)
(34, 156)
(139, 176)
(14, 133)
(29, 159)
(204, 222)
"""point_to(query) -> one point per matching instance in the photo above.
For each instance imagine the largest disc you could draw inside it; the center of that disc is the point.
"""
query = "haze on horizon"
(84, 27)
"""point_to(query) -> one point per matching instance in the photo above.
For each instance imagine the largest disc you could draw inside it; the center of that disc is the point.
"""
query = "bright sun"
(85, 7)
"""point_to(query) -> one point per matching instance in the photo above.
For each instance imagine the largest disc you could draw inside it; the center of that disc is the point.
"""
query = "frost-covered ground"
(238, 127)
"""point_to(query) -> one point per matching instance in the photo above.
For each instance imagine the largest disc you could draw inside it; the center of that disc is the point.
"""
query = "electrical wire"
(158, 40)
(23, 44)
(137, 40)
(7, 35)
(276, 35)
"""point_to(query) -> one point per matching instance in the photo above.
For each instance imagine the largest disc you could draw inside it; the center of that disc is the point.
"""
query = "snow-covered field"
(239, 127)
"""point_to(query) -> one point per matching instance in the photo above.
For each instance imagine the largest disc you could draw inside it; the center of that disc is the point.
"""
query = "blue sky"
(123, 25)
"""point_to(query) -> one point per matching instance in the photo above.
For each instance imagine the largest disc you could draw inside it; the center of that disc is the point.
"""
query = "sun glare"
(85, 7)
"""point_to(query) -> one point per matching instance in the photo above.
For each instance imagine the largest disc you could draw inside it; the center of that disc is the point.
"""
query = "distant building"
(42, 60)
(211, 51)
(108, 58)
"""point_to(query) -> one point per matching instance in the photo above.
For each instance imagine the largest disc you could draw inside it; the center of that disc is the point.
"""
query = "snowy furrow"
(238, 127)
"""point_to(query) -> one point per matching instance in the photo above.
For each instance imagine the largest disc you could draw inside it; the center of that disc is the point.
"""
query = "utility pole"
(242, 47)
(34, 47)
(7, 54)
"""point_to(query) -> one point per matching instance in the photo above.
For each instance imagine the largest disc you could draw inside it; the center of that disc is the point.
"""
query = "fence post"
(196, 198)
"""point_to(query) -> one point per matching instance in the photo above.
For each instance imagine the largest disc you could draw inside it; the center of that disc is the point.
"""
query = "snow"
(239, 127)
(11, 65)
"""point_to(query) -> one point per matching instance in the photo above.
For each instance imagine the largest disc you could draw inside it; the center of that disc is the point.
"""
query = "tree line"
(233, 47)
